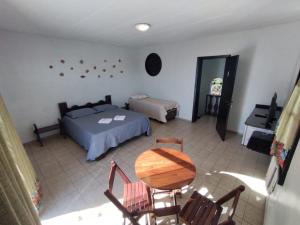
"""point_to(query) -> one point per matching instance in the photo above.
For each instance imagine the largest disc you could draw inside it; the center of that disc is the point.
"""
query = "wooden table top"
(165, 168)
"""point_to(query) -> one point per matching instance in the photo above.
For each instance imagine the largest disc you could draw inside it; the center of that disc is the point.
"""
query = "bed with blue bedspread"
(81, 124)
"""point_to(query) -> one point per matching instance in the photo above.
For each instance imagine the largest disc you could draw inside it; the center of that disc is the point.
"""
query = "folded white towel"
(119, 117)
(105, 120)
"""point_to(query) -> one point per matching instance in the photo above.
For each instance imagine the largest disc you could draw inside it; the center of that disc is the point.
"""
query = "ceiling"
(112, 21)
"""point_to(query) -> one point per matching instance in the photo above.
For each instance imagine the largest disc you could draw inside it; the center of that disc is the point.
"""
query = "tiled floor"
(73, 188)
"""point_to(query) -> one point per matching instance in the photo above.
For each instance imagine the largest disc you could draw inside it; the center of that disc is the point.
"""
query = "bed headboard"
(63, 107)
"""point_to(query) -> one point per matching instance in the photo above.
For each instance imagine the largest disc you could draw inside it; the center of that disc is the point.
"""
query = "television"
(272, 111)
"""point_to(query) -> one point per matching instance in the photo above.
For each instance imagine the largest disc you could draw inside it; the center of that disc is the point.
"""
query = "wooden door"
(226, 97)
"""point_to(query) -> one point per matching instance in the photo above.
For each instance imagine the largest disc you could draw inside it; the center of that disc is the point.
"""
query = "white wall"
(211, 68)
(282, 205)
(267, 64)
(31, 90)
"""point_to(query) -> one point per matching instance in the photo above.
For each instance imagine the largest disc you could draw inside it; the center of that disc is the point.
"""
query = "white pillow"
(140, 96)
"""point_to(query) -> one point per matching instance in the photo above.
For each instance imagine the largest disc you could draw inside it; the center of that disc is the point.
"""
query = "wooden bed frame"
(63, 107)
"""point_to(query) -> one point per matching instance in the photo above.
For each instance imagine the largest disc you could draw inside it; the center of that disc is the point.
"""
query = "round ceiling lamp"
(143, 27)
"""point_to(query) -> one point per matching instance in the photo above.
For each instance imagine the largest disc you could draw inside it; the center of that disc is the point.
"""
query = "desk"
(165, 168)
(257, 122)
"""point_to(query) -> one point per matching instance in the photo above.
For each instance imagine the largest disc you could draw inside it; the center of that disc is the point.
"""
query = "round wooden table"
(165, 168)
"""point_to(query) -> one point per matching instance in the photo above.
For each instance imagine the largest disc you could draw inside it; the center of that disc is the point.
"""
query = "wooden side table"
(126, 106)
(40, 130)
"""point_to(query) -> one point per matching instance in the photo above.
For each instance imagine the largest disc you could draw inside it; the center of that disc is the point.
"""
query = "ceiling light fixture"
(142, 27)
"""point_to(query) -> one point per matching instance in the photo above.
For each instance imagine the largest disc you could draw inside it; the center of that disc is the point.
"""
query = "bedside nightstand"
(126, 106)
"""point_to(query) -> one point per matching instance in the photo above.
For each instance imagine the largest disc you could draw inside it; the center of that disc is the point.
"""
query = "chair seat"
(136, 198)
(200, 210)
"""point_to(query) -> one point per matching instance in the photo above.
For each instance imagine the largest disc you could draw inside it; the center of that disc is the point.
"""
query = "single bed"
(158, 109)
(99, 138)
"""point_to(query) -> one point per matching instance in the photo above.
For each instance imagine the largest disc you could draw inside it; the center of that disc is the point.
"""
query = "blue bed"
(98, 138)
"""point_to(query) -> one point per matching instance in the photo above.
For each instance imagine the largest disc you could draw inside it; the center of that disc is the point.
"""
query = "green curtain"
(19, 186)
(287, 127)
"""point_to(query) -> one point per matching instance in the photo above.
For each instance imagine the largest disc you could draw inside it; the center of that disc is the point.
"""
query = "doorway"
(214, 83)
(211, 78)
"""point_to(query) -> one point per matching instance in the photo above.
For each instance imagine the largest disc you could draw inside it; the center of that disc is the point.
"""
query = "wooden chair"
(170, 140)
(136, 198)
(200, 210)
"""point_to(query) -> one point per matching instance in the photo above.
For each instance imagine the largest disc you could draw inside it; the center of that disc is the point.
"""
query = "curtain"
(19, 187)
(287, 128)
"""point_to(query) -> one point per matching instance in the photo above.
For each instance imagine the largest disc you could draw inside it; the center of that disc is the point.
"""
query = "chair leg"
(152, 195)
(151, 218)
(178, 193)
(175, 203)
(147, 219)
(133, 221)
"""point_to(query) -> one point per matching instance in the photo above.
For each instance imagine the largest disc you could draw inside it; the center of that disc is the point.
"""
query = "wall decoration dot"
(113, 67)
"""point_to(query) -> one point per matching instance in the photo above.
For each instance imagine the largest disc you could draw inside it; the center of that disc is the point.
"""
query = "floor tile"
(73, 188)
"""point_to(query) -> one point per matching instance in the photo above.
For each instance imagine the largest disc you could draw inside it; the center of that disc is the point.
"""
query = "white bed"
(159, 109)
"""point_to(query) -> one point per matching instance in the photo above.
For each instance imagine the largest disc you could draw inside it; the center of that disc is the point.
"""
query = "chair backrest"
(113, 169)
(170, 140)
(108, 193)
(201, 210)
(235, 195)
(137, 197)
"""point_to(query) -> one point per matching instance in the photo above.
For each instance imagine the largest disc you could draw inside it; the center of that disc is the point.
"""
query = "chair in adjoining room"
(170, 140)
(136, 198)
(200, 210)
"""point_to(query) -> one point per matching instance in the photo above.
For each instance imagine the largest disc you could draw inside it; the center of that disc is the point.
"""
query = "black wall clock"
(153, 64)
